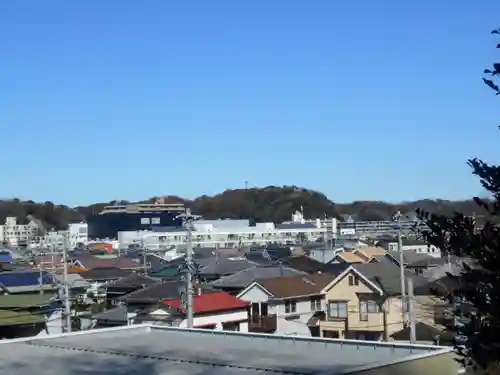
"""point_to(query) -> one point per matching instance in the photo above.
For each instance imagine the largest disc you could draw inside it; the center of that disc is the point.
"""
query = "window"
(263, 309)
(255, 312)
(145, 220)
(337, 309)
(353, 280)
(367, 307)
(155, 220)
(316, 304)
(290, 307)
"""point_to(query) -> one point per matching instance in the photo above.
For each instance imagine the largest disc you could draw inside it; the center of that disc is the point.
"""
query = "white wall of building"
(214, 319)
(288, 323)
(16, 234)
(430, 250)
(75, 234)
(210, 235)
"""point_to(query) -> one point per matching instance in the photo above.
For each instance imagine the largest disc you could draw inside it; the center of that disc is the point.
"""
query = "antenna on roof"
(307, 281)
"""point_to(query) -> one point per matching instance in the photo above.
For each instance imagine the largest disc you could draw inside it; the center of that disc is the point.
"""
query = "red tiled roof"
(211, 302)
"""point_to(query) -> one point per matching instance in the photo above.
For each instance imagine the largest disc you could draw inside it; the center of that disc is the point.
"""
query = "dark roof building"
(90, 262)
(104, 274)
(242, 279)
(25, 281)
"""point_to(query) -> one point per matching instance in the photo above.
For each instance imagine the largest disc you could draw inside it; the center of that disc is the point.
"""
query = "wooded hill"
(271, 203)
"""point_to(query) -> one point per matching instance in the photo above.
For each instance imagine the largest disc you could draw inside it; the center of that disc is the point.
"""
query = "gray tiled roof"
(117, 314)
(244, 278)
(155, 293)
(226, 266)
(385, 272)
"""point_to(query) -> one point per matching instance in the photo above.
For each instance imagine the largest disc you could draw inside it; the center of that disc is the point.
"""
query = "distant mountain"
(271, 203)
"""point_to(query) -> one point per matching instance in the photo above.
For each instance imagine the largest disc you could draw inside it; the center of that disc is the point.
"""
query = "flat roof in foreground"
(154, 350)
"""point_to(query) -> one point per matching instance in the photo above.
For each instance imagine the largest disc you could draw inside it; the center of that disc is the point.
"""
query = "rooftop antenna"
(188, 220)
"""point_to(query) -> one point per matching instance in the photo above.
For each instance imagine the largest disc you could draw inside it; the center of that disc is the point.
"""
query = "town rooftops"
(156, 350)
(211, 303)
(90, 261)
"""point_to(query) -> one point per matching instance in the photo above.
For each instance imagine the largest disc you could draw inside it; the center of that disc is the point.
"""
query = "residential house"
(221, 266)
(303, 263)
(126, 285)
(98, 277)
(29, 281)
(324, 254)
(237, 282)
(114, 317)
(148, 298)
(348, 257)
(417, 245)
(356, 307)
(212, 310)
(285, 305)
(429, 309)
(23, 315)
(89, 262)
(360, 255)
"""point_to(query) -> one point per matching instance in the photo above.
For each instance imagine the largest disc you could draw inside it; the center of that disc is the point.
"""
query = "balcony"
(263, 324)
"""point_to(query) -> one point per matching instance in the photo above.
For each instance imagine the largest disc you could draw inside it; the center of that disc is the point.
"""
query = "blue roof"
(13, 279)
(6, 258)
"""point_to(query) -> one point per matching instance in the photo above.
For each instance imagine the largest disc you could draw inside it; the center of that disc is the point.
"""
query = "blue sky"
(107, 99)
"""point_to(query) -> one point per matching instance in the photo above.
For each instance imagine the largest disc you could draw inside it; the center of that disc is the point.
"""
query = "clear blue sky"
(106, 99)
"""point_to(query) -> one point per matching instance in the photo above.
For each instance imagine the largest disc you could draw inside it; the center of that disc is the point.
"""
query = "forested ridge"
(271, 203)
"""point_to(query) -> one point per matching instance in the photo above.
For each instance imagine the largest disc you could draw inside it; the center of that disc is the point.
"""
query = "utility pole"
(40, 278)
(397, 219)
(67, 306)
(144, 258)
(411, 312)
(187, 220)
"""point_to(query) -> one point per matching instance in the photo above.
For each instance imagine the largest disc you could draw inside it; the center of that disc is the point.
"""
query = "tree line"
(268, 204)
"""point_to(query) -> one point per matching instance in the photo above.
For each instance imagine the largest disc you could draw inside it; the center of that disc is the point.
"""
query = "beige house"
(356, 308)
(362, 255)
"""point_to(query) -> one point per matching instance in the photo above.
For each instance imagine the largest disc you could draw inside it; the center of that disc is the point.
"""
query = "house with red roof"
(212, 310)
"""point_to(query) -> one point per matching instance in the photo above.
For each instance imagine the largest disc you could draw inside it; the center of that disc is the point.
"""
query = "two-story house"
(355, 307)
(285, 305)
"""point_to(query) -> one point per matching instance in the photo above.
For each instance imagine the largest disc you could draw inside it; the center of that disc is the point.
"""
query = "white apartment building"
(16, 234)
(419, 247)
(77, 233)
(226, 234)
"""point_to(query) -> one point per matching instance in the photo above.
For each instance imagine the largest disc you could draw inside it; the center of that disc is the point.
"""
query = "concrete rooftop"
(153, 350)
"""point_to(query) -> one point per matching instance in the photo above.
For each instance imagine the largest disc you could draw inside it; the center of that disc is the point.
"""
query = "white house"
(420, 247)
(77, 233)
(215, 310)
(291, 301)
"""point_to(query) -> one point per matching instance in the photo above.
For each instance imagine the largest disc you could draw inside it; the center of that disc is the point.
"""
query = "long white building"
(226, 234)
